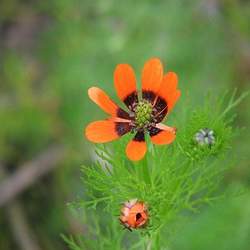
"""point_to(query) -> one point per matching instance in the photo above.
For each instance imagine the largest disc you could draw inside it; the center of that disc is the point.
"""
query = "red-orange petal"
(162, 134)
(99, 97)
(152, 75)
(173, 99)
(125, 84)
(137, 148)
(106, 130)
(169, 84)
(168, 89)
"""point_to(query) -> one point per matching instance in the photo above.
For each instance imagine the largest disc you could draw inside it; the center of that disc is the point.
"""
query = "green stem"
(149, 245)
(146, 172)
(233, 103)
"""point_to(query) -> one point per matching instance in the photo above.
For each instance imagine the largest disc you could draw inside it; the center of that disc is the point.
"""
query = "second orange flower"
(145, 113)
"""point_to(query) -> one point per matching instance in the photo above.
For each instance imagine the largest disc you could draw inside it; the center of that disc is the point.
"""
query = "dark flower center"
(138, 216)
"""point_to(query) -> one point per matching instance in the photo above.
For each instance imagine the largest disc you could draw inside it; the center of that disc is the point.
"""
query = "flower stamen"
(143, 114)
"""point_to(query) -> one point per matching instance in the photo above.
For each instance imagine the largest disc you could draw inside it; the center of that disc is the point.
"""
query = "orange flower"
(134, 214)
(159, 95)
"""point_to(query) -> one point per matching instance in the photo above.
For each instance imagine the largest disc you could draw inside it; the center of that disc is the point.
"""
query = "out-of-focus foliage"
(52, 51)
(23, 114)
(215, 227)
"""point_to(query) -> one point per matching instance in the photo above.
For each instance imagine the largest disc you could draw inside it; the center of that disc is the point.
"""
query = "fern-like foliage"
(172, 180)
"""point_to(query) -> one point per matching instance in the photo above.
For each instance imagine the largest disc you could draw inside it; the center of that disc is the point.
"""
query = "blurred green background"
(51, 52)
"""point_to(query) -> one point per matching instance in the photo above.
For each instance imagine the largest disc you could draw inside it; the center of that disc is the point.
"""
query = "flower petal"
(162, 134)
(173, 99)
(137, 148)
(168, 88)
(169, 84)
(152, 74)
(99, 97)
(106, 130)
(167, 96)
(125, 85)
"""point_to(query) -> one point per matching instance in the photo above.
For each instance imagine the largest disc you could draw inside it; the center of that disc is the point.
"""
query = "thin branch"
(16, 218)
(29, 173)
(20, 228)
